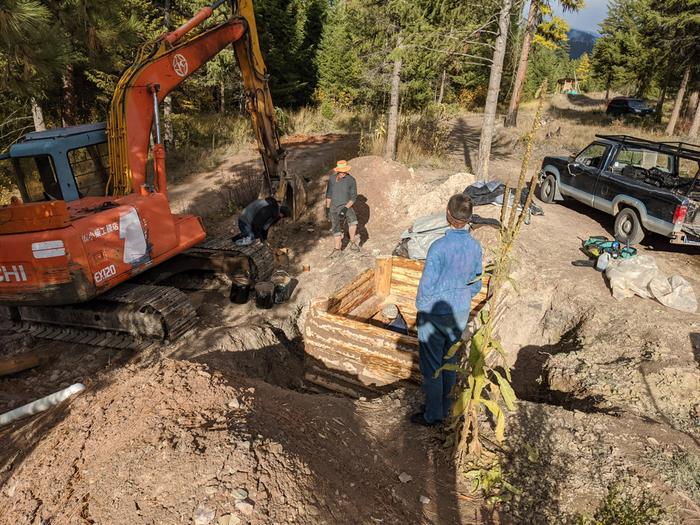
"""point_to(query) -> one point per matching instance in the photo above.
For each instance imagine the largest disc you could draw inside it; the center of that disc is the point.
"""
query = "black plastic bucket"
(282, 283)
(240, 289)
(264, 295)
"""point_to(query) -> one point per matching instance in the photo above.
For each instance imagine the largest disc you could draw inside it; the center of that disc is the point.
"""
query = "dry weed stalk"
(484, 384)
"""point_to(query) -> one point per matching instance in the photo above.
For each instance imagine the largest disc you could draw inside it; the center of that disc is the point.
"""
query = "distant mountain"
(580, 42)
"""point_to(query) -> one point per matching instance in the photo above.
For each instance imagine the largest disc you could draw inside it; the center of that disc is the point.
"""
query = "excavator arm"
(159, 68)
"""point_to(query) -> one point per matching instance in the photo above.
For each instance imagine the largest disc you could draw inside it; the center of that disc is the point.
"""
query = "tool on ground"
(92, 217)
(597, 245)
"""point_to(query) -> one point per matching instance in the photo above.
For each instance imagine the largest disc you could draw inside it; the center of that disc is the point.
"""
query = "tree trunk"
(608, 83)
(658, 112)
(692, 103)
(222, 97)
(695, 126)
(482, 168)
(68, 106)
(393, 124)
(671, 128)
(37, 115)
(512, 117)
(442, 87)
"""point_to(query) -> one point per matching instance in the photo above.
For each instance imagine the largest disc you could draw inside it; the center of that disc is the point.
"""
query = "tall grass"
(422, 137)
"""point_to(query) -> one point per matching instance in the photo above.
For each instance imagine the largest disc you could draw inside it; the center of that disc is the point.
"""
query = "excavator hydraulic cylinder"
(193, 22)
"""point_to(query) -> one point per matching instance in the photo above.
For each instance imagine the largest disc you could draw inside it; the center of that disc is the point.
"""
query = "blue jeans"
(244, 227)
(436, 334)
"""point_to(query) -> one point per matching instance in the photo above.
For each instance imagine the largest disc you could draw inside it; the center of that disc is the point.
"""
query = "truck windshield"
(34, 176)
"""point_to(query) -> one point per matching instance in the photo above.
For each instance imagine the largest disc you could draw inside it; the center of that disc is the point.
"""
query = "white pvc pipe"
(40, 405)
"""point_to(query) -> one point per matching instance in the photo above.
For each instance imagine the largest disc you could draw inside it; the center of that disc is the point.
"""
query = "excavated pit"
(531, 374)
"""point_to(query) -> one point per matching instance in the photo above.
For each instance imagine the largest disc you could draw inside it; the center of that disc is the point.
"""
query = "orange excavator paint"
(68, 242)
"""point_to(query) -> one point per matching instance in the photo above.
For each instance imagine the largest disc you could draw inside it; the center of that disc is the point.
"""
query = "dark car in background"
(628, 106)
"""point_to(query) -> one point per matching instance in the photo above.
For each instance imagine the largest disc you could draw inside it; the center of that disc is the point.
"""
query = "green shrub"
(623, 505)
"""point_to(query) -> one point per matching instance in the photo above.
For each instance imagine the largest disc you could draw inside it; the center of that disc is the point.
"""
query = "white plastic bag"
(675, 292)
(640, 276)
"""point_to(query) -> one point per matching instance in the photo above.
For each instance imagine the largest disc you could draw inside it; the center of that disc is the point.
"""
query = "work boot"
(245, 241)
(335, 253)
(419, 419)
(354, 246)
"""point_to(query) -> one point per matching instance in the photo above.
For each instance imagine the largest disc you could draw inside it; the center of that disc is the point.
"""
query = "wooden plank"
(19, 362)
(382, 276)
(355, 298)
(406, 274)
(338, 302)
(373, 355)
(349, 287)
(410, 264)
(368, 309)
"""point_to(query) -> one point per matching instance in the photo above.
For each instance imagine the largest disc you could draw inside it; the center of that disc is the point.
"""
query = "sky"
(588, 18)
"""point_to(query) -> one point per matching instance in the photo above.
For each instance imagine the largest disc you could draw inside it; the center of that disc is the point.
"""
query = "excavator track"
(259, 255)
(130, 316)
(142, 312)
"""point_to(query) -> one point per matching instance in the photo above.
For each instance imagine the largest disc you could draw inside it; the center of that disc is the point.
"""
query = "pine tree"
(32, 52)
(337, 62)
(549, 32)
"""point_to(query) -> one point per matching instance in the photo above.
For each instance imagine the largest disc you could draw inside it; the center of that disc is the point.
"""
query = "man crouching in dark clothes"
(257, 218)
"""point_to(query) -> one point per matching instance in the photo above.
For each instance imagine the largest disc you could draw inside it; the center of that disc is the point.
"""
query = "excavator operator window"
(90, 166)
(36, 178)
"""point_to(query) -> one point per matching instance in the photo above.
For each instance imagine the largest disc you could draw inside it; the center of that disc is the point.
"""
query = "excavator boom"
(159, 68)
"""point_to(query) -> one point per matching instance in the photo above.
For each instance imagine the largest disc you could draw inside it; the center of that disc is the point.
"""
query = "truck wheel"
(548, 188)
(628, 228)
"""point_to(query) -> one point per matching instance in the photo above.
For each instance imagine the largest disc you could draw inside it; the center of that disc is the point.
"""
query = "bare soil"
(220, 428)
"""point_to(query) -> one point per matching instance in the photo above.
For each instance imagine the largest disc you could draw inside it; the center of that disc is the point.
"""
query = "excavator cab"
(64, 164)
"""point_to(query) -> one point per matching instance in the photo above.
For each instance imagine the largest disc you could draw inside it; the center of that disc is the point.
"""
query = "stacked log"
(347, 351)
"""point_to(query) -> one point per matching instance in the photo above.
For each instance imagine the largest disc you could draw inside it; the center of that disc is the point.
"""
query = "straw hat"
(342, 167)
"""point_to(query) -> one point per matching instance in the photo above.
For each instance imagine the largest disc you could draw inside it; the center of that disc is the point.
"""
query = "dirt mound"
(176, 442)
(390, 192)
(378, 181)
(434, 197)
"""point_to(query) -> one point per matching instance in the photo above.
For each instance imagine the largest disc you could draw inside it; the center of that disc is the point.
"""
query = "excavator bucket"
(296, 199)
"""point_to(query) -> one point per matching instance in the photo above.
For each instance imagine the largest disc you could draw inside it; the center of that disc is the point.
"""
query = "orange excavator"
(94, 210)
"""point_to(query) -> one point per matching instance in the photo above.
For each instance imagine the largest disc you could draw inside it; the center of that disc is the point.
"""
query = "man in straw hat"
(340, 197)
(450, 279)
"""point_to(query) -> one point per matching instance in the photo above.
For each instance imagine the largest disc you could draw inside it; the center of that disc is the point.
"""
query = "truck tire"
(628, 227)
(548, 189)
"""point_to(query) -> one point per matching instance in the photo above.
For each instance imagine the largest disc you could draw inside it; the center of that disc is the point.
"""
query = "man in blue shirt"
(443, 303)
